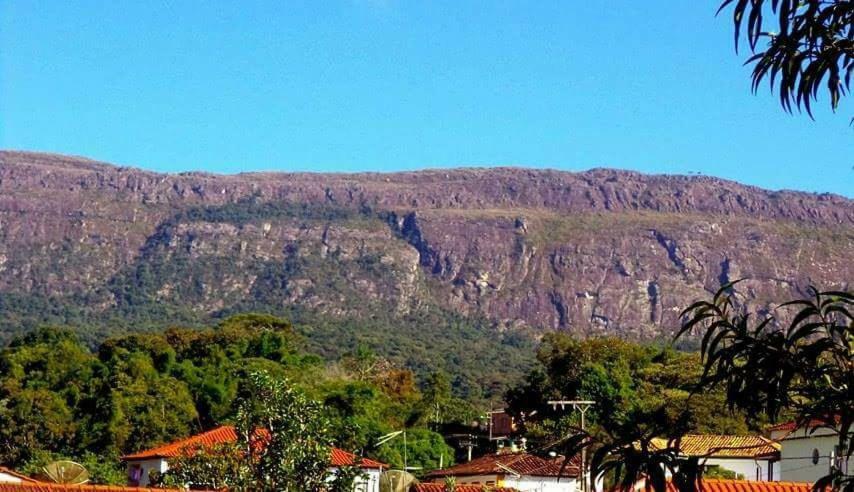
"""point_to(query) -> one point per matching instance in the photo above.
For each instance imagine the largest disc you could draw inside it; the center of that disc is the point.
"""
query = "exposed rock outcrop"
(602, 251)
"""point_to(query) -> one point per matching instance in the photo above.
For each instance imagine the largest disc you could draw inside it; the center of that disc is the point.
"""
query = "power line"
(581, 406)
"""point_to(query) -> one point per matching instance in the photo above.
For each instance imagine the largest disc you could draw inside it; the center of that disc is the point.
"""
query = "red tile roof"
(508, 463)
(710, 485)
(719, 446)
(440, 487)
(793, 425)
(55, 487)
(220, 435)
(227, 434)
(344, 458)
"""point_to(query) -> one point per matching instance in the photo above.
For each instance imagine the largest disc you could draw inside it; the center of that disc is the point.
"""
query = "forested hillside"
(454, 270)
(59, 399)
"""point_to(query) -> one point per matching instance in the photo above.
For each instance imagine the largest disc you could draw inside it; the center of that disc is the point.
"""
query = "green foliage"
(218, 467)
(424, 449)
(284, 443)
(627, 380)
(716, 472)
(45, 380)
(450, 484)
(642, 392)
(427, 342)
(809, 45)
(102, 469)
(58, 398)
(295, 452)
(762, 369)
(252, 209)
(805, 368)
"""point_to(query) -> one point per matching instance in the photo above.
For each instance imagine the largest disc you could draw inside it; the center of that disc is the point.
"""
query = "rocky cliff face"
(602, 251)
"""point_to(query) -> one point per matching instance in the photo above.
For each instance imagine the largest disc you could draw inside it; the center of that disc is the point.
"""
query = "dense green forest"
(425, 339)
(632, 384)
(61, 398)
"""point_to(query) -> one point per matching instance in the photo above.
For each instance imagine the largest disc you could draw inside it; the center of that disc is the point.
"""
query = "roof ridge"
(16, 474)
(228, 433)
(743, 480)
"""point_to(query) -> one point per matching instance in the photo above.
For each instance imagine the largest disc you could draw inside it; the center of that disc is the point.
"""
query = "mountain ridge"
(661, 184)
(600, 251)
(96, 164)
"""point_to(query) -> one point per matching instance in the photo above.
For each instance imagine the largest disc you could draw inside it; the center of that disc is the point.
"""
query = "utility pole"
(468, 443)
(391, 435)
(581, 406)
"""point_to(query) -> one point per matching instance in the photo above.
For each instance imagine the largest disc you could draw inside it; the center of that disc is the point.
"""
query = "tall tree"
(765, 369)
(45, 378)
(284, 444)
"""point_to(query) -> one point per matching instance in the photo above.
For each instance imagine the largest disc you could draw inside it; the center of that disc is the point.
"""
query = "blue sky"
(387, 85)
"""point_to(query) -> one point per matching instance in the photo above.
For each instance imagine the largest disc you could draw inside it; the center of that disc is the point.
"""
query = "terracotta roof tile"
(220, 435)
(344, 458)
(55, 487)
(519, 463)
(710, 485)
(438, 487)
(715, 446)
(790, 426)
(227, 434)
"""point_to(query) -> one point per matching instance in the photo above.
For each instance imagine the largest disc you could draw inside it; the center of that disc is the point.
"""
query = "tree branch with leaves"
(809, 45)
(805, 368)
(284, 444)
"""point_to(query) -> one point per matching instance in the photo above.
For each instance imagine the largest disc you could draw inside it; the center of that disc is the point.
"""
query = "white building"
(11, 476)
(807, 452)
(141, 465)
(749, 457)
(522, 471)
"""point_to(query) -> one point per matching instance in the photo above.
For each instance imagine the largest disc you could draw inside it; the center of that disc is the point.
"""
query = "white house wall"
(158, 465)
(491, 480)
(369, 484)
(540, 484)
(8, 478)
(796, 456)
(523, 483)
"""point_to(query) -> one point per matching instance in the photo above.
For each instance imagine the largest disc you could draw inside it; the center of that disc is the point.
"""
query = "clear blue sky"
(386, 85)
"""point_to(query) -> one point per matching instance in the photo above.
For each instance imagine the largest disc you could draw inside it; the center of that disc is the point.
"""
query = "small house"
(521, 471)
(749, 457)
(808, 452)
(141, 465)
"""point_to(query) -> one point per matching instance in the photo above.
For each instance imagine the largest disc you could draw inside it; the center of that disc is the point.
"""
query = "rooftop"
(508, 463)
(718, 446)
(56, 487)
(439, 487)
(19, 476)
(228, 434)
(793, 425)
(710, 485)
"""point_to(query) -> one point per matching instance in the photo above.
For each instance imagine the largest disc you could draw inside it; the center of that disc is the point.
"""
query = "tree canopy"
(805, 368)
(751, 371)
(59, 399)
(284, 443)
(809, 47)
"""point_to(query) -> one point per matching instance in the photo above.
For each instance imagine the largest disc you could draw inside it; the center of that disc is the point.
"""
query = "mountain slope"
(602, 251)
